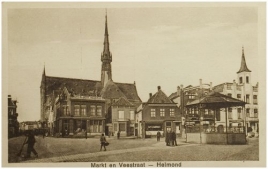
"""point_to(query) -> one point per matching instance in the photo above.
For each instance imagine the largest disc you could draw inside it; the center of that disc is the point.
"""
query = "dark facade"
(13, 124)
(159, 113)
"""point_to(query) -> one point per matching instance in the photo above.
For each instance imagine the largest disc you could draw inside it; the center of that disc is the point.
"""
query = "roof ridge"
(72, 78)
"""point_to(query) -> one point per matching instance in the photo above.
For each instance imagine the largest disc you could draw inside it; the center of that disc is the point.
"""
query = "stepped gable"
(111, 91)
(123, 102)
(159, 97)
(74, 86)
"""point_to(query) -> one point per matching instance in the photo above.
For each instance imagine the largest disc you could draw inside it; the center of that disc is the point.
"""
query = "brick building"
(13, 124)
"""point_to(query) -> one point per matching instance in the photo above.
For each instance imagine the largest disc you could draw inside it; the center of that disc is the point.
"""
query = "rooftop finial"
(243, 67)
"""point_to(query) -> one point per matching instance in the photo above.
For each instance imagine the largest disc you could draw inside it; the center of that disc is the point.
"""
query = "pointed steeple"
(44, 71)
(243, 67)
(106, 58)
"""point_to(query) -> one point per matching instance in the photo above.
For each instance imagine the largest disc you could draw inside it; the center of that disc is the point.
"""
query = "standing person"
(44, 133)
(31, 141)
(158, 135)
(118, 134)
(167, 138)
(174, 141)
(86, 134)
(102, 142)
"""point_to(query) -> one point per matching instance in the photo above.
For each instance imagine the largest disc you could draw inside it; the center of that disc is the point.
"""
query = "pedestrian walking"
(167, 138)
(174, 141)
(158, 135)
(31, 141)
(118, 135)
(102, 142)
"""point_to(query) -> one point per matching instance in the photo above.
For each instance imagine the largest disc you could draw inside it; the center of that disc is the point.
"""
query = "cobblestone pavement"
(53, 150)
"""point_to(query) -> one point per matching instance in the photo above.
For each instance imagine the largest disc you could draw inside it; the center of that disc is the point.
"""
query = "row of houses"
(75, 107)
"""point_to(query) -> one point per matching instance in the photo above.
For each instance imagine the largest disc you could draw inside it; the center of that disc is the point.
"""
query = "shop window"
(172, 112)
(131, 115)
(93, 110)
(162, 112)
(76, 110)
(99, 110)
(152, 112)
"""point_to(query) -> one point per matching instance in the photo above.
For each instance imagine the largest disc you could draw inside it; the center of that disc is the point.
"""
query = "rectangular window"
(121, 114)
(247, 79)
(239, 113)
(229, 94)
(162, 112)
(247, 98)
(131, 115)
(64, 109)
(240, 80)
(152, 112)
(230, 113)
(122, 127)
(218, 115)
(195, 111)
(191, 96)
(256, 113)
(76, 110)
(83, 110)
(115, 126)
(99, 110)
(93, 110)
(255, 99)
(172, 114)
(67, 110)
(247, 111)
(239, 96)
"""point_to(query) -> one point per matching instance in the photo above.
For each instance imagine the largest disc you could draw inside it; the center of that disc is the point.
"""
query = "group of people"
(171, 138)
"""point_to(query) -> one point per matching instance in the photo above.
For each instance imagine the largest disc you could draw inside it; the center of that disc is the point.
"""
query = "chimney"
(158, 87)
(150, 95)
(178, 90)
(9, 97)
(200, 83)
(210, 85)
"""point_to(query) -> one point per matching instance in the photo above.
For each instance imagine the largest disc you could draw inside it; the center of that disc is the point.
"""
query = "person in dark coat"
(31, 141)
(118, 134)
(102, 142)
(174, 141)
(158, 135)
(167, 138)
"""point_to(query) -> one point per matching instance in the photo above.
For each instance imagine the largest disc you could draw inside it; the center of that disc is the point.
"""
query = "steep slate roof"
(91, 88)
(159, 97)
(111, 91)
(123, 102)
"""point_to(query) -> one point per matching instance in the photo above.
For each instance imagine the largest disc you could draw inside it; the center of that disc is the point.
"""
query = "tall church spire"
(106, 57)
(243, 67)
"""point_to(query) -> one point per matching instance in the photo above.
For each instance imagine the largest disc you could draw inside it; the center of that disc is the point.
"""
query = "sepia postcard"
(133, 84)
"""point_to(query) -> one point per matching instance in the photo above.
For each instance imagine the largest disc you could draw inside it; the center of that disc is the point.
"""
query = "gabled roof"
(122, 102)
(159, 97)
(111, 91)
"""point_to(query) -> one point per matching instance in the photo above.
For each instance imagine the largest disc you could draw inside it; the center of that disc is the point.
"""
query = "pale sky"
(163, 46)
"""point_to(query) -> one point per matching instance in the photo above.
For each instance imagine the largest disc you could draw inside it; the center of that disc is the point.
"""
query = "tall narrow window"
(162, 112)
(131, 115)
(76, 110)
(247, 79)
(255, 99)
(239, 113)
(83, 110)
(121, 114)
(240, 80)
(64, 109)
(247, 111)
(172, 114)
(218, 115)
(230, 113)
(247, 98)
(256, 113)
(99, 110)
(93, 110)
(152, 112)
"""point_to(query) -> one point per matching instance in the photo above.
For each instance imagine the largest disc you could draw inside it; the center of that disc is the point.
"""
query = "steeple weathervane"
(243, 67)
